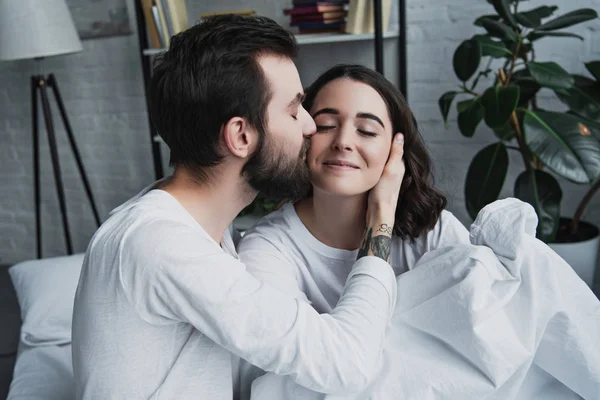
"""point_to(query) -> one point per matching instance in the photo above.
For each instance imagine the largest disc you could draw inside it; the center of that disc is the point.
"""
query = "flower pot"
(580, 252)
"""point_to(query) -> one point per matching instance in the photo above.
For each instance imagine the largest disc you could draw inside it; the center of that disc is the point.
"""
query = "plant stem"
(515, 124)
(467, 90)
(584, 202)
(514, 58)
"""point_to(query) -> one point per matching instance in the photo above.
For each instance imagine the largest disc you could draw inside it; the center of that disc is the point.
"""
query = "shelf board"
(316, 38)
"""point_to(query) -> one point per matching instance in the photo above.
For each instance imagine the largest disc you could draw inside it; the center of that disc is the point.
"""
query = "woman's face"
(353, 139)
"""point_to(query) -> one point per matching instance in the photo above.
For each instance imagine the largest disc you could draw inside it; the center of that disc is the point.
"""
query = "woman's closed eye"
(325, 128)
(366, 133)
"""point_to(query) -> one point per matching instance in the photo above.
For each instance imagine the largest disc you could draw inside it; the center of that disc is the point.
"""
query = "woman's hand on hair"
(383, 199)
(384, 195)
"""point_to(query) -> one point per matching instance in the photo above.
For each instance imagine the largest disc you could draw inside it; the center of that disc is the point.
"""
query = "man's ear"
(239, 138)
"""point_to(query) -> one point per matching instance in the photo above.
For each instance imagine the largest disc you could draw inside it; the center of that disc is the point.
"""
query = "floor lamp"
(34, 29)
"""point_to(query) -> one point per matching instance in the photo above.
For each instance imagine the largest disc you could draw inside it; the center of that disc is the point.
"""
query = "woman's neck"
(337, 221)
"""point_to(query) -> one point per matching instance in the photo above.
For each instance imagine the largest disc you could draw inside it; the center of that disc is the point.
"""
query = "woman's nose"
(343, 139)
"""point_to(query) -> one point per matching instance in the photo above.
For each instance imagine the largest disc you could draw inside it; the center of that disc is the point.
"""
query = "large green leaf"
(470, 117)
(593, 126)
(505, 132)
(594, 68)
(533, 36)
(529, 86)
(499, 103)
(502, 7)
(564, 144)
(444, 102)
(542, 191)
(492, 48)
(493, 17)
(499, 29)
(569, 19)
(466, 59)
(583, 98)
(533, 18)
(485, 177)
(551, 75)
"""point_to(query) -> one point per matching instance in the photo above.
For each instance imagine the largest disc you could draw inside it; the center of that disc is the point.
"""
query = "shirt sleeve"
(267, 263)
(180, 276)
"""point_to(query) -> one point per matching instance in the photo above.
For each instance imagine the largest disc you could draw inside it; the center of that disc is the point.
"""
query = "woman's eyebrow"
(326, 111)
(370, 116)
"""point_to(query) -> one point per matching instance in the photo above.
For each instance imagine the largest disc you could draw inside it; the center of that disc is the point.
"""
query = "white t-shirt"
(161, 309)
(281, 251)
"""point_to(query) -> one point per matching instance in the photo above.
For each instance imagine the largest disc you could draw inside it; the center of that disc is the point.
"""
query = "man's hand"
(382, 202)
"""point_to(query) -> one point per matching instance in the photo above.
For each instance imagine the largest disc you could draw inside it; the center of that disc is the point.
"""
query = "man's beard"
(276, 176)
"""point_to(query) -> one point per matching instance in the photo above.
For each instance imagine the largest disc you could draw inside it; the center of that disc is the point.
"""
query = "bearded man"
(164, 306)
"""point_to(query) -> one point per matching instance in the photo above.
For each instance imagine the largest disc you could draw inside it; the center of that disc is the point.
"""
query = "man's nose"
(309, 128)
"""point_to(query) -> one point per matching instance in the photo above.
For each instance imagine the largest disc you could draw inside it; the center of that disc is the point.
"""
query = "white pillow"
(46, 290)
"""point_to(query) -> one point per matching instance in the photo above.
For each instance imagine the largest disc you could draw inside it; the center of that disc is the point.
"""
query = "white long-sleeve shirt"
(281, 251)
(161, 309)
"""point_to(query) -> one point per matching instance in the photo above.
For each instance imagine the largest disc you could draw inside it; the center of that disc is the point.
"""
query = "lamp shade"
(36, 28)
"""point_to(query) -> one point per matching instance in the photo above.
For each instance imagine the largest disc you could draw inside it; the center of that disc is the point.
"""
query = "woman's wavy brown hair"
(419, 204)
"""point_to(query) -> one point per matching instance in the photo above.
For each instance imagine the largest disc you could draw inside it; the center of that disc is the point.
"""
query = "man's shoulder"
(153, 228)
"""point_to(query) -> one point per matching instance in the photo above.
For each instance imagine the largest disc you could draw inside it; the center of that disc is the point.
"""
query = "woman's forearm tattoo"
(379, 245)
(366, 244)
(385, 228)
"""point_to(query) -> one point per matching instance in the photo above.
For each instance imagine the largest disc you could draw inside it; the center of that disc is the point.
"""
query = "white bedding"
(504, 318)
(471, 323)
(43, 373)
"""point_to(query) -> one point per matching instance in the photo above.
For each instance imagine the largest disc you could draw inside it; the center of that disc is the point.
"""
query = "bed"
(41, 342)
(41, 329)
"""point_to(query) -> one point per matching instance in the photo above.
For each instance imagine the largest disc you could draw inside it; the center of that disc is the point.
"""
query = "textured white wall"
(103, 92)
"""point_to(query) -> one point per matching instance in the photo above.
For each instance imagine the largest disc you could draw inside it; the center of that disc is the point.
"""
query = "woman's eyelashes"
(363, 132)
(324, 128)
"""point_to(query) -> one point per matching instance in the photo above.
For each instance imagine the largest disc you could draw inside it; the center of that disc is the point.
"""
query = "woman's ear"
(239, 138)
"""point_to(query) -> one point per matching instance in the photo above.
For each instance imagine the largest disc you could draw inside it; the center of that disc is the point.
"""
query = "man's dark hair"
(209, 75)
(420, 204)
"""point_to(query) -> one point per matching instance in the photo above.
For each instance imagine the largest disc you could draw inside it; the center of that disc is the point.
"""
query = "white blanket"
(503, 318)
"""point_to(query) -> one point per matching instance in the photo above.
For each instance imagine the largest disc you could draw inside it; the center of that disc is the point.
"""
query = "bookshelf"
(377, 38)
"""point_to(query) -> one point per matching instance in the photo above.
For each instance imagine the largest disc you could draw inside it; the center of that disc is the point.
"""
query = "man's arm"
(329, 353)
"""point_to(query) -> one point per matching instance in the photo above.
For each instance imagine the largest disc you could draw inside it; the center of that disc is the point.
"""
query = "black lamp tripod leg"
(54, 85)
(55, 164)
(36, 163)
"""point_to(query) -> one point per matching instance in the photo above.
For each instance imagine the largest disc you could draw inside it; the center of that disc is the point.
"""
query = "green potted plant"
(563, 143)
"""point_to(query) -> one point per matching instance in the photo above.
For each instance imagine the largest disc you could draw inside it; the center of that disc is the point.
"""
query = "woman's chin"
(345, 188)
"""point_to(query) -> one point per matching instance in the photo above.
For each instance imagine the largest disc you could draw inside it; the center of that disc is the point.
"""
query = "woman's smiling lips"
(340, 165)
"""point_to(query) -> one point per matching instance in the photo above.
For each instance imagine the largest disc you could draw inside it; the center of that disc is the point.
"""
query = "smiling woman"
(308, 248)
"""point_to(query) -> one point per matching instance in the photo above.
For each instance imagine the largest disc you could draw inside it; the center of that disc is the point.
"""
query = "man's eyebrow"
(370, 116)
(326, 111)
(297, 100)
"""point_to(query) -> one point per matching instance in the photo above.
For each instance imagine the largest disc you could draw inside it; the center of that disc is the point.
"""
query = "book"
(162, 23)
(236, 12)
(305, 3)
(159, 27)
(151, 26)
(357, 14)
(312, 25)
(318, 16)
(318, 24)
(313, 9)
(386, 8)
(164, 7)
(179, 16)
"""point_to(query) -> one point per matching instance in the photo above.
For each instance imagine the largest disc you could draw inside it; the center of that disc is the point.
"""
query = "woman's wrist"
(377, 238)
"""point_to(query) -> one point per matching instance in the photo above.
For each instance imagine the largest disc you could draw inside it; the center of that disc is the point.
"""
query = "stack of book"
(315, 16)
(164, 18)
